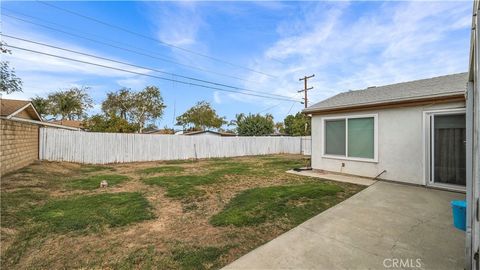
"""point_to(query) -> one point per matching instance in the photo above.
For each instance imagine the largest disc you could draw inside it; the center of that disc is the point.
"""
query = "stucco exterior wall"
(18, 145)
(401, 145)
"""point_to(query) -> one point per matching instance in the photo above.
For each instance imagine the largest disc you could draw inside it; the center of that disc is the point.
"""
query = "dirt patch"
(180, 225)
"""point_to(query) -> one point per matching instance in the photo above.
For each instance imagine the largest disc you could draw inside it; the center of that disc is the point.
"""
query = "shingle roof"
(69, 123)
(442, 86)
(9, 106)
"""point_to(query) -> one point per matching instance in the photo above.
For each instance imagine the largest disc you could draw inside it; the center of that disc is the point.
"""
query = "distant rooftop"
(442, 86)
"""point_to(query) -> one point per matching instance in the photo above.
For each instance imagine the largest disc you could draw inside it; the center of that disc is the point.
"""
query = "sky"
(261, 46)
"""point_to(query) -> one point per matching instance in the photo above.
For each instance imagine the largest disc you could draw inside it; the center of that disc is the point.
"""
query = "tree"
(70, 104)
(254, 124)
(9, 82)
(279, 128)
(109, 123)
(118, 103)
(298, 125)
(200, 117)
(42, 105)
(147, 106)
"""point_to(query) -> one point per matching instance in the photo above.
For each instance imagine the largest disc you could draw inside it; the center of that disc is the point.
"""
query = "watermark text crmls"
(402, 263)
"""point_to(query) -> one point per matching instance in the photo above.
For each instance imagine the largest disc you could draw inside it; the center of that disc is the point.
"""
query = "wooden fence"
(103, 148)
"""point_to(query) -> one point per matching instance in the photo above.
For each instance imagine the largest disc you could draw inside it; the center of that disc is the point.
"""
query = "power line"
(271, 107)
(144, 74)
(153, 39)
(138, 66)
(113, 45)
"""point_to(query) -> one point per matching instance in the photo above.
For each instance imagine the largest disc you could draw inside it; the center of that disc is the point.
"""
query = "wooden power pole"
(306, 88)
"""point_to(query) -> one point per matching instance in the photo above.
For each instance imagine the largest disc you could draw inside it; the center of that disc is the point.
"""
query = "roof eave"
(451, 97)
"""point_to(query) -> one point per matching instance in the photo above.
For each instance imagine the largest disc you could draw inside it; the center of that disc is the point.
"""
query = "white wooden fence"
(102, 148)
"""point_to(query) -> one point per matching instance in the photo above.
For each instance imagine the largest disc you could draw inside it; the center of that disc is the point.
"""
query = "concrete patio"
(378, 228)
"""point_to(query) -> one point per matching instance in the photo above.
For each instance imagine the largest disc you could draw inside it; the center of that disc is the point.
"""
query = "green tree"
(9, 82)
(70, 104)
(119, 103)
(42, 105)
(200, 117)
(109, 123)
(254, 124)
(297, 125)
(147, 106)
(279, 127)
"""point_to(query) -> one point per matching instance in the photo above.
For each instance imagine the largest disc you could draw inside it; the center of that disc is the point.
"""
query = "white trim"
(346, 117)
(23, 108)
(428, 150)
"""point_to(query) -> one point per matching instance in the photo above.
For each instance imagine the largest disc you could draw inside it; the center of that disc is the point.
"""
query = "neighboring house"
(12, 108)
(18, 134)
(69, 123)
(412, 132)
(209, 133)
(161, 131)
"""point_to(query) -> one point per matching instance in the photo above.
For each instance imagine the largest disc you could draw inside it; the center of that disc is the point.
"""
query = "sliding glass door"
(448, 149)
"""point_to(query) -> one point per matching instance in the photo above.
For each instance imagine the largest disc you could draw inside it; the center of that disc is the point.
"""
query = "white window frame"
(428, 150)
(346, 117)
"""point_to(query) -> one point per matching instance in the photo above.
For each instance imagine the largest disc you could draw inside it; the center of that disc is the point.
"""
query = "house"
(165, 131)
(23, 109)
(412, 132)
(209, 133)
(69, 123)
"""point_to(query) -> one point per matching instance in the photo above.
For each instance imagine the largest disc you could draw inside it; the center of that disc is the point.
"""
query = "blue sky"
(347, 45)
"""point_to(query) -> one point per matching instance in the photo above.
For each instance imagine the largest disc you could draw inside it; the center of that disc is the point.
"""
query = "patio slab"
(383, 223)
(336, 177)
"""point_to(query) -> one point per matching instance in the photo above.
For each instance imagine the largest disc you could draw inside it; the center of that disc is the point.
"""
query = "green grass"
(184, 186)
(294, 203)
(163, 169)
(93, 182)
(199, 257)
(93, 212)
(94, 168)
(13, 203)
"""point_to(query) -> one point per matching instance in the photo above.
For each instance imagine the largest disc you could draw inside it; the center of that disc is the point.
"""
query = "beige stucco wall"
(18, 145)
(401, 149)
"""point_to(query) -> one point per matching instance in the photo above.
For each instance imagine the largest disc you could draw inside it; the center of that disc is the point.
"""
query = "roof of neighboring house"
(209, 131)
(69, 123)
(446, 86)
(18, 108)
(161, 131)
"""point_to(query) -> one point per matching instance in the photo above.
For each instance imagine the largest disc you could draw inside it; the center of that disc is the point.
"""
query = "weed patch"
(12, 205)
(198, 257)
(295, 203)
(93, 182)
(163, 169)
(92, 212)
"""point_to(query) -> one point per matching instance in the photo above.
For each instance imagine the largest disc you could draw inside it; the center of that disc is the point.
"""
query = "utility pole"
(306, 89)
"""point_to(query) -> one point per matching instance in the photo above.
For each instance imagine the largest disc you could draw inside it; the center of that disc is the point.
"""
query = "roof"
(209, 131)
(442, 86)
(69, 123)
(18, 108)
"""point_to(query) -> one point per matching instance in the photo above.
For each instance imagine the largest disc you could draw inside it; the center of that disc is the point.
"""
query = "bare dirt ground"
(179, 236)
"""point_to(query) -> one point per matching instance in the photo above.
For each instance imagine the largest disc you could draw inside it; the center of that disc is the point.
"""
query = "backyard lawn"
(155, 215)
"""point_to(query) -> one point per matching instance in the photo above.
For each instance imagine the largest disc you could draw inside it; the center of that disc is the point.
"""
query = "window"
(350, 137)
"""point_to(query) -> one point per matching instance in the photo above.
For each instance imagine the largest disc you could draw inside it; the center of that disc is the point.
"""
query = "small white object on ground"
(103, 184)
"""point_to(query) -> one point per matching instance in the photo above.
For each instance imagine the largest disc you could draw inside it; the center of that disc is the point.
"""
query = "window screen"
(361, 137)
(335, 137)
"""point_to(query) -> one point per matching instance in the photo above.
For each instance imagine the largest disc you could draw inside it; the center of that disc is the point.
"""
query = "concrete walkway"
(375, 228)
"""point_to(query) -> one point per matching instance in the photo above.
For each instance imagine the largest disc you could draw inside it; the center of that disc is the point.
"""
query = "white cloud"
(216, 97)
(396, 42)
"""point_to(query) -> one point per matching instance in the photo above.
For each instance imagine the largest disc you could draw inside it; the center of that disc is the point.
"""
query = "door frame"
(429, 150)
